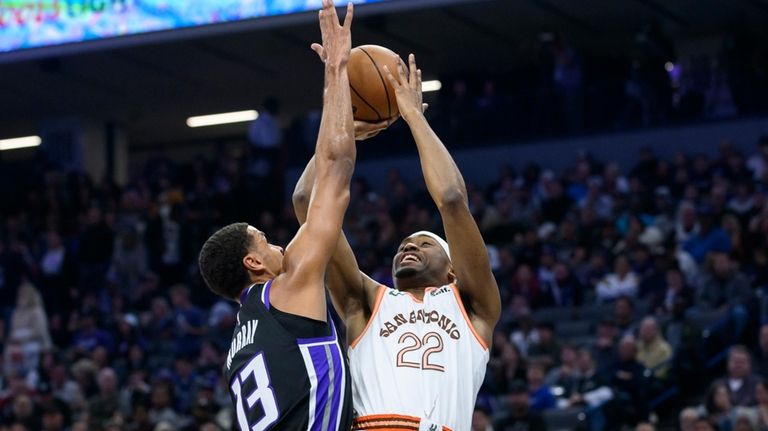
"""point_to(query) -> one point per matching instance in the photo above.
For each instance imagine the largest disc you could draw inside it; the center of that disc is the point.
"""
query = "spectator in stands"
(566, 374)
(687, 419)
(710, 238)
(739, 382)
(57, 268)
(606, 352)
(540, 393)
(506, 368)
(104, 406)
(653, 350)
(481, 419)
(546, 350)
(724, 285)
(627, 383)
(591, 390)
(563, 289)
(645, 426)
(675, 286)
(758, 162)
(519, 415)
(624, 315)
(28, 334)
(718, 406)
(53, 418)
(761, 355)
(189, 321)
(621, 282)
(525, 335)
(687, 225)
(95, 251)
(89, 336)
(761, 410)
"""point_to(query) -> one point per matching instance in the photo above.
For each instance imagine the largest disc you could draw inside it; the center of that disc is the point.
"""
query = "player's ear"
(252, 262)
(452, 275)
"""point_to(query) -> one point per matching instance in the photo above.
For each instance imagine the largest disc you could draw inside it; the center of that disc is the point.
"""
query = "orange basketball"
(373, 98)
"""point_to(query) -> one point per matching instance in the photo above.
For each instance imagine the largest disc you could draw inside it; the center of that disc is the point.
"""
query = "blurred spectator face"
(561, 272)
(623, 310)
(674, 280)
(180, 296)
(743, 424)
(161, 396)
(568, 356)
(22, 407)
(621, 266)
(509, 354)
(649, 330)
(645, 426)
(518, 401)
(535, 376)
(606, 330)
(739, 364)
(585, 361)
(627, 349)
(688, 216)
(721, 265)
(80, 426)
(53, 420)
(209, 426)
(107, 382)
(546, 335)
(18, 427)
(688, 419)
(761, 393)
(764, 338)
(159, 308)
(480, 420)
(722, 400)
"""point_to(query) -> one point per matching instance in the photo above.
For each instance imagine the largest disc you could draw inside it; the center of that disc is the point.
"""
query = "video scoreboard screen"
(27, 24)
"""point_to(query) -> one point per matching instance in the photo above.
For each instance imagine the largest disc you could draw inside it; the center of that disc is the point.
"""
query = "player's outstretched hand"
(407, 87)
(365, 130)
(336, 37)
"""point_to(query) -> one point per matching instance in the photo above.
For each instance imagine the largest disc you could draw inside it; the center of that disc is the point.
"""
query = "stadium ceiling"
(150, 90)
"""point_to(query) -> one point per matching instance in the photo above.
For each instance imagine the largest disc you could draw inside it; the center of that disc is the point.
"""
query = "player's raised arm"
(446, 186)
(352, 292)
(299, 290)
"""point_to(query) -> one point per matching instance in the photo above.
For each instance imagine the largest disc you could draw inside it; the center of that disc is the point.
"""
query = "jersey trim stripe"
(479, 339)
(324, 362)
(265, 294)
(388, 422)
(379, 297)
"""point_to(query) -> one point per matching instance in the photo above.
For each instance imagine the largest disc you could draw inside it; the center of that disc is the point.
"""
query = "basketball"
(373, 98)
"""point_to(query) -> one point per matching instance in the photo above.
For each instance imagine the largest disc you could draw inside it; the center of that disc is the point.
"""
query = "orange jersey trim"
(388, 423)
(480, 340)
(379, 298)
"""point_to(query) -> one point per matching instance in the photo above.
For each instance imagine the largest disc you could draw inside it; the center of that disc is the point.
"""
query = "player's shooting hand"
(407, 87)
(336, 37)
(365, 130)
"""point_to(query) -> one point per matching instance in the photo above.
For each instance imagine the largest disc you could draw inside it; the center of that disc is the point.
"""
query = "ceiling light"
(223, 118)
(16, 143)
(428, 86)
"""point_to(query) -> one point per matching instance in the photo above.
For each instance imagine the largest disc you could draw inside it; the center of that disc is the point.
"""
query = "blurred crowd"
(558, 87)
(626, 293)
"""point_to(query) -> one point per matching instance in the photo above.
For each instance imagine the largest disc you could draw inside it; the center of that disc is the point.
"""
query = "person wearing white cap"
(418, 351)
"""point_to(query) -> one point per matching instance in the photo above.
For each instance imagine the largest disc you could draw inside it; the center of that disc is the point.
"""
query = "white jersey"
(417, 364)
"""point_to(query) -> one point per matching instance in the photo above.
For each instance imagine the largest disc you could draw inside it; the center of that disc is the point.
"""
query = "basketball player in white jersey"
(418, 352)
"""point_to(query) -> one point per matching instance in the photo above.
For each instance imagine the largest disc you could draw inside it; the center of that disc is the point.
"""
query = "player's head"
(236, 256)
(422, 260)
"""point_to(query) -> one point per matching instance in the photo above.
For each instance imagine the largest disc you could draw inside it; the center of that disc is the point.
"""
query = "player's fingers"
(418, 79)
(349, 15)
(412, 68)
(327, 4)
(319, 50)
(401, 73)
(388, 75)
(424, 107)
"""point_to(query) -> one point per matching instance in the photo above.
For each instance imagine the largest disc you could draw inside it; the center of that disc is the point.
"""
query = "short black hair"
(221, 258)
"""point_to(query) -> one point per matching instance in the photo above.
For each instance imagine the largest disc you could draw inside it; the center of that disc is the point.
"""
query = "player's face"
(420, 255)
(270, 255)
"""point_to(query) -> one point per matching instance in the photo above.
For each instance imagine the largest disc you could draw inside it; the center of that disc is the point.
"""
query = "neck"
(417, 292)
